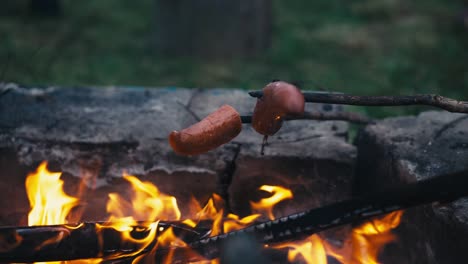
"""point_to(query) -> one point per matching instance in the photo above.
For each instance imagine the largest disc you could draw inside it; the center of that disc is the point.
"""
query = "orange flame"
(220, 224)
(367, 240)
(311, 250)
(150, 204)
(49, 203)
(232, 222)
(361, 247)
(266, 205)
(147, 204)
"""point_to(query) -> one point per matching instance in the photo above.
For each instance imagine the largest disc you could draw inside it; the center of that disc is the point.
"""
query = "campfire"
(146, 225)
(142, 229)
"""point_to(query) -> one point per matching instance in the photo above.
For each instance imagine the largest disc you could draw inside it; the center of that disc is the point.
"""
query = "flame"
(148, 204)
(361, 247)
(221, 223)
(49, 203)
(369, 239)
(311, 250)
(265, 205)
(169, 240)
(366, 241)
(232, 222)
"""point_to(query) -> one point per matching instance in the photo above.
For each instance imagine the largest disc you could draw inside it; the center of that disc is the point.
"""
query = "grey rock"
(407, 149)
(92, 134)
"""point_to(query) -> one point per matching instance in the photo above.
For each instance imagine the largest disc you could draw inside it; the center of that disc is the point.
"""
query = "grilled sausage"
(216, 129)
(279, 99)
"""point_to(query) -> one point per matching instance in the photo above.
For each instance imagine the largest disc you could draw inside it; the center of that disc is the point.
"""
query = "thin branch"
(434, 100)
(323, 116)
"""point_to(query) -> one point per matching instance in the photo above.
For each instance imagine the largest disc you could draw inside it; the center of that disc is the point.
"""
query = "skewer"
(434, 100)
(324, 116)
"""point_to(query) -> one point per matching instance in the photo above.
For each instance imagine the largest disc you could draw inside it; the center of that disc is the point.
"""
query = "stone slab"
(94, 133)
(407, 149)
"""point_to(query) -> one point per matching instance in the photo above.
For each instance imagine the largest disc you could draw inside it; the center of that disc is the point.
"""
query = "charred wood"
(82, 241)
(297, 226)
(62, 242)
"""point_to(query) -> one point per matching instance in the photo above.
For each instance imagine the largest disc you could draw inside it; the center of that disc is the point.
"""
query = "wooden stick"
(324, 116)
(434, 100)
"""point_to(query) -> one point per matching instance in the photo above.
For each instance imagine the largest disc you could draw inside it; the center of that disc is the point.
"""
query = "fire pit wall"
(93, 134)
(408, 149)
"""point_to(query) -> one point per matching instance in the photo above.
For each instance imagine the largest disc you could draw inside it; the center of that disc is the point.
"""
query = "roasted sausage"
(216, 129)
(279, 99)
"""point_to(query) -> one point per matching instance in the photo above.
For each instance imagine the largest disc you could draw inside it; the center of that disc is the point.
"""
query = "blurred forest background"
(385, 47)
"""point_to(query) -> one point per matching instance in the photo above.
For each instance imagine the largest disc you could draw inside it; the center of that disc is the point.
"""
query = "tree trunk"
(212, 28)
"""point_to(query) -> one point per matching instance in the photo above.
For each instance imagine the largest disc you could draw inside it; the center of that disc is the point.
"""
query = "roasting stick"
(445, 103)
(324, 116)
(294, 227)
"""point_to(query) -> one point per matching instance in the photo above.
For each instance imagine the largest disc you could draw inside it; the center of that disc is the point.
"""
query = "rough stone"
(407, 149)
(92, 134)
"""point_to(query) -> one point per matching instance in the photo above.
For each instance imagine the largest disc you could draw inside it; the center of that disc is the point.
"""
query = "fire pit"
(94, 135)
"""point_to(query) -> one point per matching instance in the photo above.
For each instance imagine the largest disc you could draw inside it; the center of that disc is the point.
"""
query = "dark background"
(361, 46)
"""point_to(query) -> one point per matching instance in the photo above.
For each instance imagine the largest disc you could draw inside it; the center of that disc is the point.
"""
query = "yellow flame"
(266, 205)
(50, 205)
(366, 241)
(221, 224)
(148, 204)
(369, 239)
(311, 250)
(232, 222)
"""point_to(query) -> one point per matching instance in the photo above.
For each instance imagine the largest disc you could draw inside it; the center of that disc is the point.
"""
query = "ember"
(51, 206)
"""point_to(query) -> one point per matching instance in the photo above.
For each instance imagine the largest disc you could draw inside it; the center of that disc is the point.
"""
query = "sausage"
(279, 99)
(216, 129)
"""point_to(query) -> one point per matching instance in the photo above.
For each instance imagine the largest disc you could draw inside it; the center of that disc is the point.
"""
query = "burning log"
(87, 240)
(434, 100)
(83, 241)
(443, 189)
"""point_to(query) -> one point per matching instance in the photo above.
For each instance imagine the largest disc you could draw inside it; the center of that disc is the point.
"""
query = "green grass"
(363, 47)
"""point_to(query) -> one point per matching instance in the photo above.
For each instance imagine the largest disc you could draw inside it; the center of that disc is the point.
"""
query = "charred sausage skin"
(216, 129)
(279, 99)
